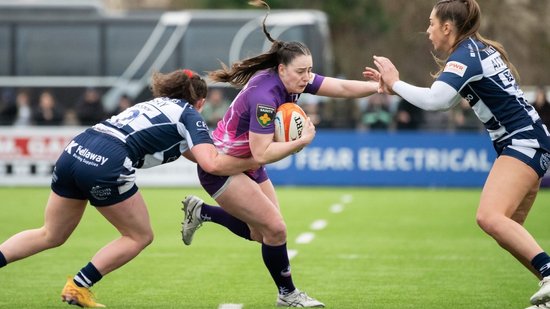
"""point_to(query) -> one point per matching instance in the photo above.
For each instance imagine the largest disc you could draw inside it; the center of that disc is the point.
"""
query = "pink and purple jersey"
(253, 109)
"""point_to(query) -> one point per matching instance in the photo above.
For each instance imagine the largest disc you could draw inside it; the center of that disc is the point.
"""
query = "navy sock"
(541, 262)
(218, 215)
(87, 276)
(276, 261)
(3, 261)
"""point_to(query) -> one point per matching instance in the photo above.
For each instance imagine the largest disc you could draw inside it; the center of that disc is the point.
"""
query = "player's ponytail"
(280, 53)
(260, 3)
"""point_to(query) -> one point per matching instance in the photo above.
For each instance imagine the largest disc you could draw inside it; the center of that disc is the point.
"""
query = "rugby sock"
(541, 262)
(3, 261)
(276, 261)
(87, 276)
(218, 215)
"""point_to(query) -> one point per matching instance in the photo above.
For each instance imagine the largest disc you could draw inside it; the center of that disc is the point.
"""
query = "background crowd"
(379, 112)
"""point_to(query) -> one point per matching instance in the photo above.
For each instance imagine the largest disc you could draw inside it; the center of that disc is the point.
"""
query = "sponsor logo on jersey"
(201, 125)
(456, 67)
(265, 114)
(69, 148)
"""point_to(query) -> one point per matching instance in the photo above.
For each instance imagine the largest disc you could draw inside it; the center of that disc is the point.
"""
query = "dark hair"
(179, 84)
(280, 53)
(466, 16)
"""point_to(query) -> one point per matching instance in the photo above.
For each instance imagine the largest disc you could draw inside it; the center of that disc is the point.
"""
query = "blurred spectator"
(47, 113)
(215, 107)
(377, 114)
(123, 103)
(408, 116)
(89, 109)
(70, 118)
(542, 106)
(24, 109)
(340, 113)
(310, 104)
(8, 108)
(465, 119)
(437, 121)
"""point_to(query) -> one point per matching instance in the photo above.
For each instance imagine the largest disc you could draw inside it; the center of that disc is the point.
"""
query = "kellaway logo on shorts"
(84, 153)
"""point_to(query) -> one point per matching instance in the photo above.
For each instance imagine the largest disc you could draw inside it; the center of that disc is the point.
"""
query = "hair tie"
(189, 73)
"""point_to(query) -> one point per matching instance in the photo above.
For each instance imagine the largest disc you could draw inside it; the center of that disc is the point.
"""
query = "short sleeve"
(262, 110)
(195, 129)
(314, 83)
(462, 67)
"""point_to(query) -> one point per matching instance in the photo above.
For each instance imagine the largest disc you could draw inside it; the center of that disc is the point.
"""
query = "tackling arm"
(219, 164)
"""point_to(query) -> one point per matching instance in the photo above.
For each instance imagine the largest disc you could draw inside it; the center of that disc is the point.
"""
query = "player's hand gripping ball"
(289, 122)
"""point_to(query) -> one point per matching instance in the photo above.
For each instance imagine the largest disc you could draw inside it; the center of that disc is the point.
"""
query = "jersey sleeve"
(314, 83)
(262, 110)
(463, 66)
(194, 128)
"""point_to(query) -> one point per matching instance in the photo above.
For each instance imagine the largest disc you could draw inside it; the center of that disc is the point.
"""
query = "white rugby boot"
(192, 218)
(298, 299)
(543, 294)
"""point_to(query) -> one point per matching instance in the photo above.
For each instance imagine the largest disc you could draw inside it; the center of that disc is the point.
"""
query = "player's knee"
(147, 239)
(276, 232)
(54, 239)
(487, 222)
(256, 236)
(143, 239)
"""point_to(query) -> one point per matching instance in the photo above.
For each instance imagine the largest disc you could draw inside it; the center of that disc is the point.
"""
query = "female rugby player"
(478, 70)
(249, 206)
(99, 166)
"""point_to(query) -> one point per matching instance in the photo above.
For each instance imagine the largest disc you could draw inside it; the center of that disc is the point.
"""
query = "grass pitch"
(381, 248)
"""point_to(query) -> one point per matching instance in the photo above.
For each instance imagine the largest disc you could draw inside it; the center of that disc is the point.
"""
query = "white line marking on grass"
(305, 238)
(292, 253)
(336, 208)
(230, 306)
(346, 198)
(318, 225)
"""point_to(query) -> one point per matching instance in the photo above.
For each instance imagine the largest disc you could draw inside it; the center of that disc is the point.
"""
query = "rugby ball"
(290, 120)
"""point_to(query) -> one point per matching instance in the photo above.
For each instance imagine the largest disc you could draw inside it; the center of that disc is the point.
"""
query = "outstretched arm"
(440, 96)
(343, 88)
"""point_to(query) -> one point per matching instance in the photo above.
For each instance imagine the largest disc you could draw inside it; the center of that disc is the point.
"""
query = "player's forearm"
(225, 165)
(440, 96)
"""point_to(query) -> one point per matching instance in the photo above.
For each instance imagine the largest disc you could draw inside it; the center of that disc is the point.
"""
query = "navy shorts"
(216, 185)
(531, 147)
(96, 167)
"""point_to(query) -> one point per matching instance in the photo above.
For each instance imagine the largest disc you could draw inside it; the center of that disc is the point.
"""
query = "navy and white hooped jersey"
(480, 75)
(157, 131)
